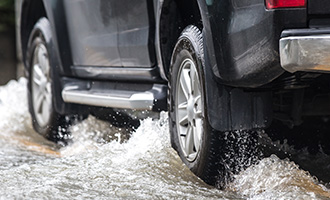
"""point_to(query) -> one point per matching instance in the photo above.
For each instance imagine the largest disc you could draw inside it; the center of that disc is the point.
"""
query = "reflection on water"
(103, 163)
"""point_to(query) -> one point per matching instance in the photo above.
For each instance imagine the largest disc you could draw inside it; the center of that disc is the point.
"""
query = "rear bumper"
(305, 50)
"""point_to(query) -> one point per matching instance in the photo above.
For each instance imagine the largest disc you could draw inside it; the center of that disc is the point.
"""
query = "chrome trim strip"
(118, 99)
(305, 53)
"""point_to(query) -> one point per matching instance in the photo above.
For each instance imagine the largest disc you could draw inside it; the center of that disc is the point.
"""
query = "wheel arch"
(32, 11)
(174, 16)
(53, 10)
(228, 108)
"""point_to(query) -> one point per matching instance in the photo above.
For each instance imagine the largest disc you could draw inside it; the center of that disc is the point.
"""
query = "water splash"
(107, 162)
(13, 107)
(273, 178)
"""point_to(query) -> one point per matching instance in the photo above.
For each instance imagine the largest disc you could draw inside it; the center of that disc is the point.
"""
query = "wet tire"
(41, 84)
(212, 155)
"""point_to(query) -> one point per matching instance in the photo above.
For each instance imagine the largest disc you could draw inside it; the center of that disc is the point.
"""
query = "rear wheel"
(41, 85)
(212, 155)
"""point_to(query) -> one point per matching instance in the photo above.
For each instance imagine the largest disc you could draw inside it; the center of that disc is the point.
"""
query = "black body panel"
(57, 17)
(117, 41)
(242, 40)
(31, 12)
(318, 7)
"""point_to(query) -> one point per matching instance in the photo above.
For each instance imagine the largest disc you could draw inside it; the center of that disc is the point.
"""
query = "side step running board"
(115, 98)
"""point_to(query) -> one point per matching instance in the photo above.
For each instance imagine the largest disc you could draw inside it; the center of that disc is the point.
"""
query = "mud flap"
(232, 108)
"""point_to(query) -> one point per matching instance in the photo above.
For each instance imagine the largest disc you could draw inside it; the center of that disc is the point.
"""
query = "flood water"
(102, 164)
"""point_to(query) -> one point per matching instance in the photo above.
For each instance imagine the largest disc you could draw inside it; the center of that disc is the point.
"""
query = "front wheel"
(212, 155)
(41, 84)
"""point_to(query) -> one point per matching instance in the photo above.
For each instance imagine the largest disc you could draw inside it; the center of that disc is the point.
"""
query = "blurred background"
(8, 59)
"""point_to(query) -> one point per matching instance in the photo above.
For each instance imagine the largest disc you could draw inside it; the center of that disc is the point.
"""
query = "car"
(224, 70)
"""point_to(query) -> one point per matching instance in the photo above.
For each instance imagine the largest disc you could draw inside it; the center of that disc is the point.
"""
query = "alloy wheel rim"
(189, 115)
(41, 85)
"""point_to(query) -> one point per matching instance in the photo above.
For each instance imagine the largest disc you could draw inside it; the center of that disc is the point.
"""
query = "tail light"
(271, 4)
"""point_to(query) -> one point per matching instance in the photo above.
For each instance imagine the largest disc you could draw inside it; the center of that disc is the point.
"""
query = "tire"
(41, 84)
(212, 155)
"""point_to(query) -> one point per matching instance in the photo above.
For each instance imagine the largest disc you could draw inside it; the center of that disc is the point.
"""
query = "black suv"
(218, 67)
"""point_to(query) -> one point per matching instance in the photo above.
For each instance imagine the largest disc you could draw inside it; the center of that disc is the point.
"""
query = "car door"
(92, 28)
(136, 26)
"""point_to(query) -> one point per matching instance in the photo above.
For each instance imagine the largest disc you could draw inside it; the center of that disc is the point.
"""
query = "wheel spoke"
(42, 59)
(48, 98)
(46, 66)
(45, 111)
(39, 56)
(192, 155)
(198, 98)
(48, 88)
(37, 81)
(198, 114)
(37, 71)
(189, 141)
(185, 83)
(184, 121)
(183, 105)
(47, 101)
(38, 93)
(39, 102)
(196, 138)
